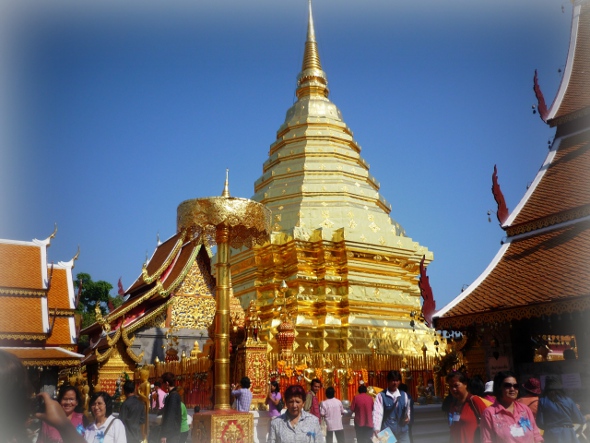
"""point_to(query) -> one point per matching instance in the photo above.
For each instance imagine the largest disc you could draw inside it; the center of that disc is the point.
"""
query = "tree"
(89, 293)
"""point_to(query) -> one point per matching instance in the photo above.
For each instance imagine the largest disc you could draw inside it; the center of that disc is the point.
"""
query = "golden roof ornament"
(312, 79)
(196, 350)
(226, 222)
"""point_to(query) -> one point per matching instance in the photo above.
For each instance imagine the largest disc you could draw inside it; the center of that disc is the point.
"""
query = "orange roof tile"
(565, 184)
(50, 356)
(546, 268)
(61, 334)
(21, 266)
(21, 315)
(59, 292)
(577, 93)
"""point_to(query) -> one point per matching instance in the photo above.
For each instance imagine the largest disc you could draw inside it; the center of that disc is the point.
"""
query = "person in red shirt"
(465, 411)
(362, 406)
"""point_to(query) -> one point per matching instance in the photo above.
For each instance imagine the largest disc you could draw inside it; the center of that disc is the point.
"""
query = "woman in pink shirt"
(71, 402)
(331, 410)
(508, 420)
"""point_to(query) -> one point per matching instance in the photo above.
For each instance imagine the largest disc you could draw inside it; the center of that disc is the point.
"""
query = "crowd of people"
(63, 420)
(512, 412)
(507, 411)
(501, 410)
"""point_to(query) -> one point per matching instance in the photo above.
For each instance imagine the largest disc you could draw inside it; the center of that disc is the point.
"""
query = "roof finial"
(312, 79)
(310, 27)
(225, 192)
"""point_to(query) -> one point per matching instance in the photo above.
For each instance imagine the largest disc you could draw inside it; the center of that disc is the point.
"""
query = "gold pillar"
(222, 386)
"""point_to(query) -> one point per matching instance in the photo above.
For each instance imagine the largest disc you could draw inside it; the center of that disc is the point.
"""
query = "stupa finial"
(310, 27)
(225, 192)
(312, 79)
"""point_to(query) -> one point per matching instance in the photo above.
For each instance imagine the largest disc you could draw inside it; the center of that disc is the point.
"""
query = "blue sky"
(113, 113)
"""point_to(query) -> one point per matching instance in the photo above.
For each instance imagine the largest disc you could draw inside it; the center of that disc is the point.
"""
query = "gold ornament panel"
(193, 312)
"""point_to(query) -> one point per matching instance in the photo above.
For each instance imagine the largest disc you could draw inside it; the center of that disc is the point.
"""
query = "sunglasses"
(510, 385)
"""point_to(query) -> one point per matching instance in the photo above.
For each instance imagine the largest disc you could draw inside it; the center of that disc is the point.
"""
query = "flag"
(121, 290)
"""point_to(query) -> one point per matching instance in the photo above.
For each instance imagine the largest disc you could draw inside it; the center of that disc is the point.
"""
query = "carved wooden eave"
(23, 336)
(158, 289)
(550, 220)
(105, 355)
(113, 341)
(128, 343)
(499, 316)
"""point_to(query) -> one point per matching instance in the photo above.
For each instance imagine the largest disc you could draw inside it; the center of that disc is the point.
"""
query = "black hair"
(330, 392)
(499, 382)
(245, 382)
(67, 388)
(275, 384)
(362, 389)
(128, 387)
(108, 401)
(316, 380)
(168, 377)
(394, 376)
(476, 386)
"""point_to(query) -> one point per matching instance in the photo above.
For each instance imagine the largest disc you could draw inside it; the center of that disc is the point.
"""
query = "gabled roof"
(37, 298)
(61, 292)
(532, 275)
(542, 267)
(573, 98)
(23, 318)
(163, 274)
(561, 190)
(23, 265)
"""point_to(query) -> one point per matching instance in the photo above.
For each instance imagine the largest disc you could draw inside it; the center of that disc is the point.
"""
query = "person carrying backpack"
(392, 409)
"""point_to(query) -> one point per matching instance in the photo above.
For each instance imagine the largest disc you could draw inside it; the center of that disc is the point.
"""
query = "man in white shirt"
(392, 409)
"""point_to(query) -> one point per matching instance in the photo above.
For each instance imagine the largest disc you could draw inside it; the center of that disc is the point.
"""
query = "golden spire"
(312, 79)
(225, 192)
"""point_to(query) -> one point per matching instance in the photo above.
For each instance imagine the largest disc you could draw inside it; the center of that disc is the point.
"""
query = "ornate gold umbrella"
(227, 222)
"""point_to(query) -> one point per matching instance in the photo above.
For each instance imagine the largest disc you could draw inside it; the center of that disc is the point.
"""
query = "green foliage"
(93, 292)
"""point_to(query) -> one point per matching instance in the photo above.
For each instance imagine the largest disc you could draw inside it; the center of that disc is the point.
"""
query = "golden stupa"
(351, 270)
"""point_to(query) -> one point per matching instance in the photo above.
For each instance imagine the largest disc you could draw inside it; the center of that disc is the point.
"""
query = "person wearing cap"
(557, 413)
(489, 392)
(531, 389)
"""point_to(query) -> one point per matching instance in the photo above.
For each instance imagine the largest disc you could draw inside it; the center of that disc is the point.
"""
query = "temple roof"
(45, 356)
(533, 275)
(561, 190)
(37, 300)
(23, 265)
(23, 318)
(573, 97)
(542, 266)
(160, 278)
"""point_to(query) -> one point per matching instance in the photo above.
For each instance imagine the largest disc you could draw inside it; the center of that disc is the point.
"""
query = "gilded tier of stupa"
(351, 270)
